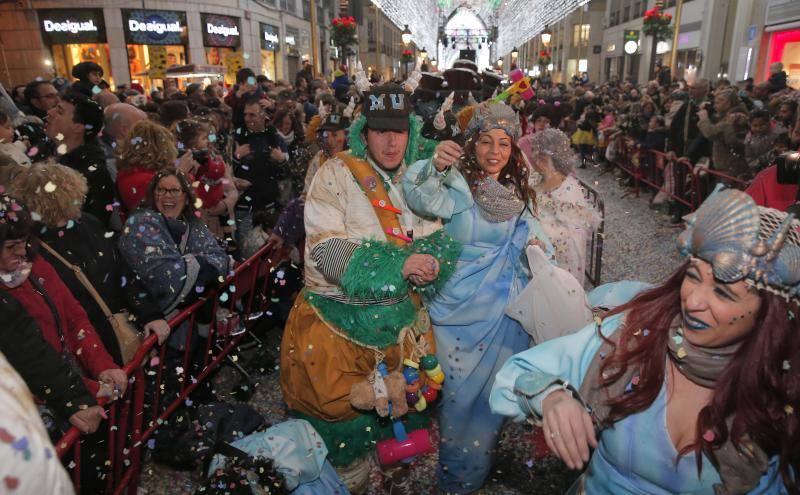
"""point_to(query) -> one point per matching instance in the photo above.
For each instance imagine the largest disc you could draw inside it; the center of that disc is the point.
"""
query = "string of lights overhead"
(516, 21)
(521, 20)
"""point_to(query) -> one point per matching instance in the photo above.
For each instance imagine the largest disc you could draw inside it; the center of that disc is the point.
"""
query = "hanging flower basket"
(544, 58)
(407, 57)
(343, 31)
(657, 24)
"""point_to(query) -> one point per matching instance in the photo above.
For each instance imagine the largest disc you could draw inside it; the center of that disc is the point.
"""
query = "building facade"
(137, 40)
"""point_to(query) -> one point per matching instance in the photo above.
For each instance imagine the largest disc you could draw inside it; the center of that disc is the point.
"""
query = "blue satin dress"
(474, 337)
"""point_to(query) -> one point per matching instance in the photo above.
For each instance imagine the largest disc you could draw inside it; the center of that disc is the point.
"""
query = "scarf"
(287, 138)
(496, 202)
(18, 277)
(740, 469)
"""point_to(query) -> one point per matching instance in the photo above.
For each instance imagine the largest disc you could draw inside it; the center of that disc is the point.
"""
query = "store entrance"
(148, 63)
(65, 57)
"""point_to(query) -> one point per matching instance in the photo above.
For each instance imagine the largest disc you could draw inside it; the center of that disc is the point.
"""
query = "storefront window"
(270, 43)
(75, 36)
(156, 40)
(222, 39)
(784, 47)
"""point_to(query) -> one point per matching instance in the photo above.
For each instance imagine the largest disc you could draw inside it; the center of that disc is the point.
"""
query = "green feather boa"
(375, 272)
(358, 145)
(352, 440)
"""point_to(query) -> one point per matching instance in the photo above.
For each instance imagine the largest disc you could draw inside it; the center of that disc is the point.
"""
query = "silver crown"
(490, 116)
(743, 241)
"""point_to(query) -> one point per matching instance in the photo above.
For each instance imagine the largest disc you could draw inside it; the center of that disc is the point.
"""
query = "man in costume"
(368, 259)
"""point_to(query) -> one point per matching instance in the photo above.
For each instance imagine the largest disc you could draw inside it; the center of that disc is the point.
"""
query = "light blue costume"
(633, 457)
(297, 452)
(473, 334)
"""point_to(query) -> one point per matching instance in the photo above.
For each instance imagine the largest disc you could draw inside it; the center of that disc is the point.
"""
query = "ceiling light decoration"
(417, 15)
(521, 20)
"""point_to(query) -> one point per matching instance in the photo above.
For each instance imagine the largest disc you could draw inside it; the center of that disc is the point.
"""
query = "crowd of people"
(416, 211)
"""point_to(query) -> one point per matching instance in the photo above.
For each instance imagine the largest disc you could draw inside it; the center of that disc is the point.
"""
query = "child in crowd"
(759, 144)
(212, 179)
(16, 150)
(656, 137)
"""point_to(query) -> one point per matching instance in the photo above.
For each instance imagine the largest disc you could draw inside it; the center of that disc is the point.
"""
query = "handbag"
(128, 337)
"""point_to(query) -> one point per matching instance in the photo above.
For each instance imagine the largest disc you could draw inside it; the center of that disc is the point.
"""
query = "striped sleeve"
(332, 257)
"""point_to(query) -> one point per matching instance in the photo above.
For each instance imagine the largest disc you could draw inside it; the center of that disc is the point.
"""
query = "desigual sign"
(270, 37)
(154, 27)
(220, 30)
(65, 26)
(69, 26)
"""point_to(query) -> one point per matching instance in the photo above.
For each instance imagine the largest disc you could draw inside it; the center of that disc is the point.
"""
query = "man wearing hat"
(331, 138)
(73, 125)
(368, 259)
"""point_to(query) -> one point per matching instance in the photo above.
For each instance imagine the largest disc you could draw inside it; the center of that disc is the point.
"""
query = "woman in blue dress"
(692, 386)
(481, 193)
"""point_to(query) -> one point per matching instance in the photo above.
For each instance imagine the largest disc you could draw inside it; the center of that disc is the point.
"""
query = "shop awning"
(196, 70)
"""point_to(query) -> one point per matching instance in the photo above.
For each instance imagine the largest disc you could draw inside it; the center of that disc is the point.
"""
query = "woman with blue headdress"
(691, 386)
(481, 194)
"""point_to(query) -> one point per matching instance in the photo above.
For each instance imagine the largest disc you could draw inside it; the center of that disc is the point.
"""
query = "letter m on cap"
(376, 102)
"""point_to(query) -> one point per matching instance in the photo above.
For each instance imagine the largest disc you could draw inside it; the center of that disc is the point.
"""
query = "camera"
(200, 156)
(788, 168)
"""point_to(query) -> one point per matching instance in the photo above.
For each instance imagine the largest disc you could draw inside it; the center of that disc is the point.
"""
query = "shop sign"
(631, 44)
(154, 27)
(270, 37)
(292, 34)
(67, 26)
(220, 30)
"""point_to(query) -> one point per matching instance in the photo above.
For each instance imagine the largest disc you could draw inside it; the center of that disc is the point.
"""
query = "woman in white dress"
(562, 208)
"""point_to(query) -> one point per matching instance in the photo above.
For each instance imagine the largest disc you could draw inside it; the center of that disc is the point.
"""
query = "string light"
(519, 20)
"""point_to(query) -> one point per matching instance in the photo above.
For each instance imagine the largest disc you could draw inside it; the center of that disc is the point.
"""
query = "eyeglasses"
(172, 193)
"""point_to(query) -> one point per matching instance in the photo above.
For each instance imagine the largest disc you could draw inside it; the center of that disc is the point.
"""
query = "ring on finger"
(554, 434)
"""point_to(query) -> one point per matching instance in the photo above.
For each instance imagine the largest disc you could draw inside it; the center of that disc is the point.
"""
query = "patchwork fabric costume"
(357, 309)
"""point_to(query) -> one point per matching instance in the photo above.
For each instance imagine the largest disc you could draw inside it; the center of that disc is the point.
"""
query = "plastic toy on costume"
(700, 364)
(369, 263)
(491, 215)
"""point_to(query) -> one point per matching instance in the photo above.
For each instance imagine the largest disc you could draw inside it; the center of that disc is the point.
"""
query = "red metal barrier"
(243, 292)
(679, 179)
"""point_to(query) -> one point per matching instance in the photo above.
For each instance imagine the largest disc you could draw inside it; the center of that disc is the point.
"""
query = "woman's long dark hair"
(762, 379)
(515, 173)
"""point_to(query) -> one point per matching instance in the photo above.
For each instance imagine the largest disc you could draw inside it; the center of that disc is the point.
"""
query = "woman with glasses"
(169, 248)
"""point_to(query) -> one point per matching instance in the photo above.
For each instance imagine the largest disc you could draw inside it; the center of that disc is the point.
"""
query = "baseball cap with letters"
(387, 108)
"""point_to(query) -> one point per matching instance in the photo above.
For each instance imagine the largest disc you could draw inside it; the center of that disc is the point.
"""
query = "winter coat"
(86, 245)
(693, 144)
(727, 152)
(48, 376)
(90, 160)
(151, 246)
(259, 168)
(80, 338)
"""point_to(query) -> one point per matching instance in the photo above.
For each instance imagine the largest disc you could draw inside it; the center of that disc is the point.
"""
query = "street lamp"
(406, 35)
(547, 35)
(500, 62)
(514, 53)
(423, 53)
